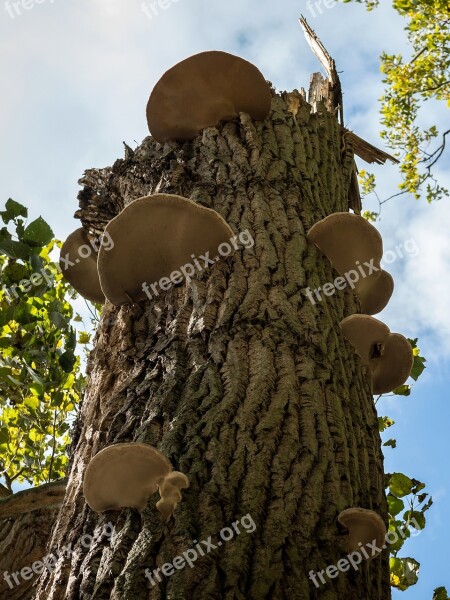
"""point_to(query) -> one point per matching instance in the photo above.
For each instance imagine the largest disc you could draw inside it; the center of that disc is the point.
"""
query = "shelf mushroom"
(388, 355)
(374, 297)
(203, 90)
(78, 262)
(126, 475)
(365, 527)
(355, 248)
(157, 237)
(170, 493)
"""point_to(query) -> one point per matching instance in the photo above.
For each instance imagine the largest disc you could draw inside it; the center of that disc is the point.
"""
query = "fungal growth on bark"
(374, 298)
(154, 238)
(204, 90)
(351, 243)
(126, 475)
(365, 527)
(244, 381)
(170, 493)
(389, 356)
(80, 267)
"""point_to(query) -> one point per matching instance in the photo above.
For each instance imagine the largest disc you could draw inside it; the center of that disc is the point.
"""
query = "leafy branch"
(409, 85)
(40, 379)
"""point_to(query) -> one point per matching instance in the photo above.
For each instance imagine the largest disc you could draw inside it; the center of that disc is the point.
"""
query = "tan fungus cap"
(80, 270)
(364, 527)
(153, 237)
(388, 355)
(126, 475)
(374, 294)
(203, 90)
(350, 242)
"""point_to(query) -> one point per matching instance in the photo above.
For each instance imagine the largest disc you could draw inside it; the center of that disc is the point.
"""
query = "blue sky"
(76, 77)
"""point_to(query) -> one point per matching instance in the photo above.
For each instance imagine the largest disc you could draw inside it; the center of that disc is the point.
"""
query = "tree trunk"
(25, 526)
(246, 386)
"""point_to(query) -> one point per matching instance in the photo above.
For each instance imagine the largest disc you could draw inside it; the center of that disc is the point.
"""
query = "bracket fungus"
(373, 298)
(79, 266)
(126, 475)
(170, 493)
(154, 237)
(203, 90)
(355, 248)
(365, 527)
(388, 355)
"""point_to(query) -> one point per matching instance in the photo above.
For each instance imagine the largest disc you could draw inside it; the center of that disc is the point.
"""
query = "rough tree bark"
(25, 526)
(237, 378)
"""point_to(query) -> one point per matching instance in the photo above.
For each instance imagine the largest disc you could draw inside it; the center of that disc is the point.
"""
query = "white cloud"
(420, 305)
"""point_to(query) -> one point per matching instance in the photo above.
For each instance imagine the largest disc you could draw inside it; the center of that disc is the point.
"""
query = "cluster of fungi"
(201, 92)
(349, 240)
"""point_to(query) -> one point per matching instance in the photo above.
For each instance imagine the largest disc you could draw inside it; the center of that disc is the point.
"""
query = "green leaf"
(34, 376)
(31, 402)
(404, 572)
(67, 361)
(415, 518)
(370, 215)
(13, 210)
(391, 443)
(71, 341)
(402, 534)
(23, 314)
(384, 423)
(15, 272)
(403, 390)
(19, 228)
(15, 381)
(418, 367)
(418, 486)
(440, 593)
(400, 485)
(38, 233)
(395, 505)
(13, 249)
(36, 262)
(4, 435)
(84, 337)
(4, 371)
(58, 320)
(5, 342)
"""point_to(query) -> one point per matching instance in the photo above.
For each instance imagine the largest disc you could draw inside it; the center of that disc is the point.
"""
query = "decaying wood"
(329, 90)
(26, 519)
(366, 151)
